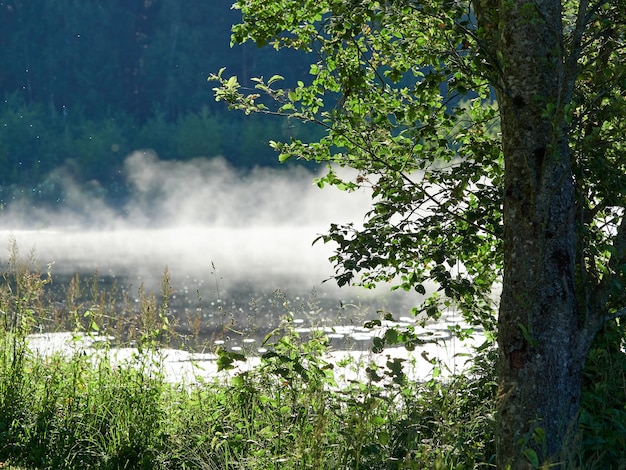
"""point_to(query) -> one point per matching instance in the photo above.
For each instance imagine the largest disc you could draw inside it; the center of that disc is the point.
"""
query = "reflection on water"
(237, 245)
(227, 284)
(350, 364)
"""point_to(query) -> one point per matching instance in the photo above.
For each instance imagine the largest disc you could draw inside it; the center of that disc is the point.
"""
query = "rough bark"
(540, 335)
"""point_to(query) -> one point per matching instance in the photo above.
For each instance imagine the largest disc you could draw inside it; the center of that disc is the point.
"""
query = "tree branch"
(619, 314)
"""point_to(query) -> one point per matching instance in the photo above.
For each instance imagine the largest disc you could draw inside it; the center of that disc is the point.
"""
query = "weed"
(89, 409)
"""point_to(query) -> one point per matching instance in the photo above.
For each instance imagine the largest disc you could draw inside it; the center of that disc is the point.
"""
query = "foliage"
(289, 413)
(404, 91)
(604, 400)
(390, 87)
(294, 410)
(84, 409)
(95, 60)
(89, 84)
(199, 135)
(39, 152)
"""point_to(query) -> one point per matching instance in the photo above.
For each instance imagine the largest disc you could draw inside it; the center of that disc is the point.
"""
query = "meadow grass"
(84, 410)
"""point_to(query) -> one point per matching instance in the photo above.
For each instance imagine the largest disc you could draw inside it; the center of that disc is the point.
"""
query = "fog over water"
(225, 235)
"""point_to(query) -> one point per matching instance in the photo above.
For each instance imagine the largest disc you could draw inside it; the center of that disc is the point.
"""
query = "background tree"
(85, 83)
(405, 90)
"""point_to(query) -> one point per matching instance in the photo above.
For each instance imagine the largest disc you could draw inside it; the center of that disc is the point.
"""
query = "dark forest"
(85, 83)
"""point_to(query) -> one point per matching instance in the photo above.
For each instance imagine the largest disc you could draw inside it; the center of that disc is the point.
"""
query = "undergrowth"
(86, 410)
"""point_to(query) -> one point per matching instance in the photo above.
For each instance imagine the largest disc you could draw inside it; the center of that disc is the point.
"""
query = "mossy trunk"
(542, 343)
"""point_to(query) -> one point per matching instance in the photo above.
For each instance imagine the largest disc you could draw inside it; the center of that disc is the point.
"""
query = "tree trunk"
(541, 344)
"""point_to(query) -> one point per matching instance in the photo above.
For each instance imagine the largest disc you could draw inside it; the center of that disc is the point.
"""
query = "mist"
(202, 219)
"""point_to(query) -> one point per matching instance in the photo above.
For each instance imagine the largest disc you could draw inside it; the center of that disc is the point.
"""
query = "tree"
(405, 91)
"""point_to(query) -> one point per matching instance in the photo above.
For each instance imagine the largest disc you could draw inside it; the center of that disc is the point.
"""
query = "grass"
(86, 411)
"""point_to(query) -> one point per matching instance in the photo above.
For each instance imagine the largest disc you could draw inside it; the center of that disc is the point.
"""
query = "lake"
(237, 245)
(238, 249)
(250, 277)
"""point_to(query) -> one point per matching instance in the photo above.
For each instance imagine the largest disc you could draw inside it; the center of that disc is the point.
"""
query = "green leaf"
(225, 359)
(372, 324)
(232, 82)
(527, 335)
(378, 420)
(237, 381)
(532, 457)
(391, 336)
(275, 78)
